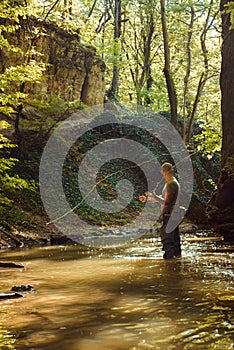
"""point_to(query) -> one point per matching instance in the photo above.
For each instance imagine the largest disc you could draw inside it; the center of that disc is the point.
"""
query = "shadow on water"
(120, 299)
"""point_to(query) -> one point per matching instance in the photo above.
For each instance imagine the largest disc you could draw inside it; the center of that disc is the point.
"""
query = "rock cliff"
(74, 71)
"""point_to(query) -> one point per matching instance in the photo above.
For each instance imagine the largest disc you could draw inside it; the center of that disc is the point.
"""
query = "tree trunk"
(167, 71)
(147, 58)
(186, 102)
(204, 75)
(221, 207)
(113, 91)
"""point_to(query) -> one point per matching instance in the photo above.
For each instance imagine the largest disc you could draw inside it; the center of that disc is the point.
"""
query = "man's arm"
(155, 198)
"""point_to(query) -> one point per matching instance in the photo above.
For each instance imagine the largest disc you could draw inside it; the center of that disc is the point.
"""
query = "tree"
(221, 206)
(138, 58)
(167, 67)
(206, 70)
(194, 63)
(140, 48)
(127, 35)
(13, 78)
(113, 91)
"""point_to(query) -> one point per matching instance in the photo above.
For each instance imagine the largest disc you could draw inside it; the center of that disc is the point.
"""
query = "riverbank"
(44, 234)
(39, 234)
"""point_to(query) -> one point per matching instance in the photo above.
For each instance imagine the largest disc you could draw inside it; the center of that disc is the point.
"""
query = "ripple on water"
(123, 299)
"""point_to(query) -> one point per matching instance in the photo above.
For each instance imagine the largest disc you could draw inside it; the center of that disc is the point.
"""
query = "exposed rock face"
(74, 71)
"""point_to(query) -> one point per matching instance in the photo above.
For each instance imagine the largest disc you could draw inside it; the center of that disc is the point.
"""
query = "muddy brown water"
(125, 298)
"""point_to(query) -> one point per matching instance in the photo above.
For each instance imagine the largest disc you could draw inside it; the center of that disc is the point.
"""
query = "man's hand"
(150, 197)
(153, 198)
(142, 199)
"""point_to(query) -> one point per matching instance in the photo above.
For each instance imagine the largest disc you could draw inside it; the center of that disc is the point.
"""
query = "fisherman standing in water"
(170, 240)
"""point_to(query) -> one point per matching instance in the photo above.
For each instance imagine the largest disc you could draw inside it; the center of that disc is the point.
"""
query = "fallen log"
(11, 265)
(221, 249)
(10, 295)
(10, 235)
(202, 239)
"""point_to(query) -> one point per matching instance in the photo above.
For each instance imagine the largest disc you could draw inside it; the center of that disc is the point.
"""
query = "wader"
(171, 240)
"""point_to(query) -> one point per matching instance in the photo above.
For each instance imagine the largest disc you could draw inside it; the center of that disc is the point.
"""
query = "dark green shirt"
(170, 193)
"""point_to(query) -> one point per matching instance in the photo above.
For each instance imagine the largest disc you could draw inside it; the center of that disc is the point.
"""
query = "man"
(170, 240)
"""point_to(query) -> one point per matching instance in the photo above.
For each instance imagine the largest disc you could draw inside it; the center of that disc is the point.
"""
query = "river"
(126, 298)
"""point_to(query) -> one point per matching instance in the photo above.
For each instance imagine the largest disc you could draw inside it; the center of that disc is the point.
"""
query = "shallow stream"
(120, 299)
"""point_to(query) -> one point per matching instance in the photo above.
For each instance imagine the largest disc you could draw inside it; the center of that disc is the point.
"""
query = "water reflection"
(120, 299)
(7, 340)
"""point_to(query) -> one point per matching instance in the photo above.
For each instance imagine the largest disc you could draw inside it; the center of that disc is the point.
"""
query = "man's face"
(163, 171)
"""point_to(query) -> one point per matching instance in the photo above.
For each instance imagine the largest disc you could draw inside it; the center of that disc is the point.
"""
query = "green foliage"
(13, 216)
(229, 9)
(10, 82)
(141, 18)
(51, 108)
(12, 77)
(9, 183)
(209, 140)
(109, 174)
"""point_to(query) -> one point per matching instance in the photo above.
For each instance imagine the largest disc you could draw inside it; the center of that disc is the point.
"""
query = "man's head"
(167, 168)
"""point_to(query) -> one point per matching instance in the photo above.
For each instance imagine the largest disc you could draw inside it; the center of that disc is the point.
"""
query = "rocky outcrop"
(74, 71)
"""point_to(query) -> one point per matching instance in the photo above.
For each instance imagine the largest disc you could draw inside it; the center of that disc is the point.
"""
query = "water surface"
(119, 299)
